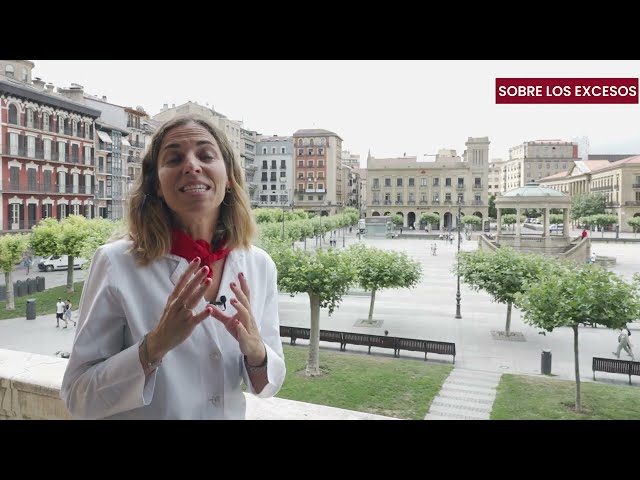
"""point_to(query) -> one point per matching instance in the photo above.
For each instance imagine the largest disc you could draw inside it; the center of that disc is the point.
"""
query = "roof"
(24, 90)
(315, 132)
(533, 190)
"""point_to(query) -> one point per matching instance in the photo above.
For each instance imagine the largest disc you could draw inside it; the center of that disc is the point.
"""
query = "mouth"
(194, 188)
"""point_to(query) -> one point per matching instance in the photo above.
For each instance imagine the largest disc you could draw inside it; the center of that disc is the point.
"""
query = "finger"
(184, 278)
(216, 313)
(199, 317)
(244, 285)
(240, 295)
(194, 293)
(241, 330)
(244, 315)
(193, 283)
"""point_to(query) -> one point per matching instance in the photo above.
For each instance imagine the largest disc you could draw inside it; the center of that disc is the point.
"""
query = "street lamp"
(458, 315)
(283, 181)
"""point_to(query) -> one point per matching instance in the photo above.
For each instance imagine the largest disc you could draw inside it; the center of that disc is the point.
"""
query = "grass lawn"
(45, 301)
(394, 387)
(521, 397)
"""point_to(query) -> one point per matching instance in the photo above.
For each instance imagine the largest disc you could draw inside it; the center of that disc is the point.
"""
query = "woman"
(67, 312)
(146, 346)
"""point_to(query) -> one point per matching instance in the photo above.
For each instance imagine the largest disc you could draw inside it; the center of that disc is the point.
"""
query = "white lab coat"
(201, 377)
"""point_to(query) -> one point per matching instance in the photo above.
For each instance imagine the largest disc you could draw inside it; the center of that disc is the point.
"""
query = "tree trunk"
(507, 328)
(11, 303)
(577, 364)
(70, 262)
(373, 300)
(313, 363)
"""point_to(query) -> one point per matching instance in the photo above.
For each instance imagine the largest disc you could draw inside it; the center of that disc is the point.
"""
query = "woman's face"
(192, 173)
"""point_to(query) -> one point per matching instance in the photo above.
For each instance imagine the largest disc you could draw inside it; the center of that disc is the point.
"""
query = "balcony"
(38, 154)
(612, 204)
(460, 186)
(387, 202)
(135, 144)
(435, 202)
(376, 187)
(606, 187)
(31, 187)
(399, 202)
(136, 125)
(635, 185)
(424, 202)
(411, 202)
(375, 202)
(477, 186)
(477, 202)
(632, 203)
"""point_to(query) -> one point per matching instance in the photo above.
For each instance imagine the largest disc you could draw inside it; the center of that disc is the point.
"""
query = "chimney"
(50, 87)
(165, 107)
(38, 83)
(104, 98)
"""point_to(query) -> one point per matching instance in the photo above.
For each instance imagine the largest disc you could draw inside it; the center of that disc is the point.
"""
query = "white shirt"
(200, 378)
(60, 307)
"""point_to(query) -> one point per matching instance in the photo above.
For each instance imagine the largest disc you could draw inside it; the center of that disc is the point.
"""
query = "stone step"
(461, 405)
(480, 392)
(453, 395)
(471, 383)
(456, 414)
(480, 375)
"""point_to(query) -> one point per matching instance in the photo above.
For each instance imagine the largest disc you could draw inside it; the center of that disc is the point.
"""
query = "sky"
(388, 107)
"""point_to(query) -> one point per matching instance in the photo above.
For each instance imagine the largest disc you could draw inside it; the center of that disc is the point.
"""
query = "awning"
(125, 142)
(104, 136)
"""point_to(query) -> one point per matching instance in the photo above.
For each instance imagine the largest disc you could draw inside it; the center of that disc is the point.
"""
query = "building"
(619, 181)
(274, 175)
(494, 179)
(317, 158)
(248, 157)
(410, 187)
(46, 151)
(537, 159)
(231, 128)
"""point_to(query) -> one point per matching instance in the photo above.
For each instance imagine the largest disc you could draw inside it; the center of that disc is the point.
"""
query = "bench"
(392, 343)
(615, 365)
(426, 346)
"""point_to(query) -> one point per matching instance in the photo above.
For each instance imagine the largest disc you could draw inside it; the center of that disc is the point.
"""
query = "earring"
(228, 189)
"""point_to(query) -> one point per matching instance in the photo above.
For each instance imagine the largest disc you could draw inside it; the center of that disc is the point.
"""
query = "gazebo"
(531, 238)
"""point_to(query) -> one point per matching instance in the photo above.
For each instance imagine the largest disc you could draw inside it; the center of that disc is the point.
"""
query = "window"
(264, 186)
(273, 176)
(8, 71)
(320, 175)
(274, 164)
(273, 187)
(273, 150)
(412, 182)
(300, 187)
(310, 197)
(13, 114)
(264, 150)
(299, 141)
(263, 198)
(29, 118)
(447, 182)
(447, 197)
(31, 147)
(25, 75)
(283, 187)
(13, 143)
(310, 174)
(376, 183)
(460, 182)
(310, 163)
(264, 176)
(477, 181)
(387, 197)
(301, 151)
(283, 150)
(387, 182)
(283, 164)
(265, 165)
(477, 200)
(311, 142)
(283, 175)
(436, 182)
(60, 125)
(309, 186)
(300, 174)
(323, 141)
(321, 186)
(301, 163)
(47, 149)
(321, 163)
(273, 198)
(14, 177)
(398, 182)
(398, 197)
(423, 181)
(310, 151)
(321, 151)
(45, 121)
(412, 197)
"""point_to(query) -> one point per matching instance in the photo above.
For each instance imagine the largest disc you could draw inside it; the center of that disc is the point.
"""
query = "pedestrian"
(27, 264)
(60, 313)
(67, 312)
(593, 257)
(147, 346)
(583, 234)
(624, 343)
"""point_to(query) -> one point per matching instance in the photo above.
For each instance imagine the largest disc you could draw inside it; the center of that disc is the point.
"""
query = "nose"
(191, 164)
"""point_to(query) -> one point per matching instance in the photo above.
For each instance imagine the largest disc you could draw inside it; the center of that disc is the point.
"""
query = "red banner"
(567, 90)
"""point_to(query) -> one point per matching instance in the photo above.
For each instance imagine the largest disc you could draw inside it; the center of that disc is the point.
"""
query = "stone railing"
(30, 390)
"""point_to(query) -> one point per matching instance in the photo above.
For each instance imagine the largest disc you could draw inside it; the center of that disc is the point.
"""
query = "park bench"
(393, 343)
(615, 365)
(426, 346)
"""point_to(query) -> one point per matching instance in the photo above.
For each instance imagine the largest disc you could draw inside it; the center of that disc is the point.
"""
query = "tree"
(325, 275)
(397, 220)
(604, 219)
(66, 237)
(377, 269)
(428, 218)
(493, 212)
(586, 204)
(471, 220)
(502, 273)
(569, 295)
(634, 223)
(12, 249)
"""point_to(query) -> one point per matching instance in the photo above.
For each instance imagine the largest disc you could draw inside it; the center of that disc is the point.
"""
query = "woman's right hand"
(178, 319)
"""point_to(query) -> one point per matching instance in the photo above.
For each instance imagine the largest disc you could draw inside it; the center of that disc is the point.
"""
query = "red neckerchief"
(186, 247)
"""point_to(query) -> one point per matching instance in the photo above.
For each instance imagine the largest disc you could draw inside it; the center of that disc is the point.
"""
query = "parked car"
(556, 228)
(59, 262)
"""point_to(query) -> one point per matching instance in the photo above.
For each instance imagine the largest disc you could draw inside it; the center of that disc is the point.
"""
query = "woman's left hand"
(242, 325)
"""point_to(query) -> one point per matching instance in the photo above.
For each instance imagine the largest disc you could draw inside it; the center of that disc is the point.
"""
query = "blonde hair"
(150, 218)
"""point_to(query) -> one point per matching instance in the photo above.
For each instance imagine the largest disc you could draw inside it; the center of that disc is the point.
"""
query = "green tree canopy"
(378, 269)
(502, 273)
(585, 204)
(12, 249)
(325, 275)
(569, 295)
